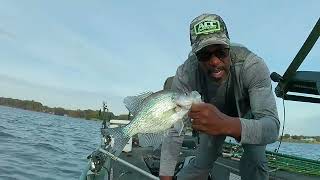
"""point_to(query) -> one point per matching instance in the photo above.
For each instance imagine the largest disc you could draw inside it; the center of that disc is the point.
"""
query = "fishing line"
(283, 124)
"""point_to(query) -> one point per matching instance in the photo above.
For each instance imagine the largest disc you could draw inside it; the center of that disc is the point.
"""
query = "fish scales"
(156, 113)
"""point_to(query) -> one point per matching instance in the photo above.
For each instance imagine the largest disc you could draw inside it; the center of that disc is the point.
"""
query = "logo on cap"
(207, 27)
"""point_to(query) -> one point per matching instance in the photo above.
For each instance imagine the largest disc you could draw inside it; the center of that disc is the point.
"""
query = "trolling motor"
(104, 122)
(98, 166)
(97, 158)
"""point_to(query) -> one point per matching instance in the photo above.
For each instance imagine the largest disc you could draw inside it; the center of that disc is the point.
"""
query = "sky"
(75, 54)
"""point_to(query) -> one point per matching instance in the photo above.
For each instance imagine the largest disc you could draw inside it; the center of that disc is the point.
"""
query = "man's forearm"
(170, 150)
(263, 131)
(233, 127)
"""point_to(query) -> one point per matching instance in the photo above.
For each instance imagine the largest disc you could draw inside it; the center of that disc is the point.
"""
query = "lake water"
(42, 146)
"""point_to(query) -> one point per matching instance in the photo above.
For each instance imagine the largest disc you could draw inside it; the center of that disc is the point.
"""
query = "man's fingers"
(194, 115)
(199, 121)
(197, 107)
(195, 122)
(198, 127)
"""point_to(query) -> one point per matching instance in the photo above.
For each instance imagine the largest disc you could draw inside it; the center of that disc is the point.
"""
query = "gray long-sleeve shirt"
(260, 124)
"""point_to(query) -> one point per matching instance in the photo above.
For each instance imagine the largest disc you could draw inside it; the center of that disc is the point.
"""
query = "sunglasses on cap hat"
(206, 55)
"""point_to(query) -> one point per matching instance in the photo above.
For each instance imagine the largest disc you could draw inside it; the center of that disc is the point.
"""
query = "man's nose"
(214, 61)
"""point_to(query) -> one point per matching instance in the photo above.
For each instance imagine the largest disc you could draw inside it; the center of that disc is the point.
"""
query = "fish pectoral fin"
(178, 126)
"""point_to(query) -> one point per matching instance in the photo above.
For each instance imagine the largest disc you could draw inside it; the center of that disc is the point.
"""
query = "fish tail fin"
(120, 139)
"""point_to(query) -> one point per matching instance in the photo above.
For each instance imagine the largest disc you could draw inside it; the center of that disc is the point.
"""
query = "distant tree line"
(300, 138)
(38, 107)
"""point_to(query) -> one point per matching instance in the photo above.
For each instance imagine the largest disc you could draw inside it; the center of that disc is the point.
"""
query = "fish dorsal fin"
(133, 103)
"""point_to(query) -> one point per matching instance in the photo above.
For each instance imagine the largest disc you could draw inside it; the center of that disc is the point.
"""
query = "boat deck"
(224, 168)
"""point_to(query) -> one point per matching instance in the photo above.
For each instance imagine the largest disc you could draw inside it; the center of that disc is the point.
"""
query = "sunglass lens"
(206, 55)
(221, 53)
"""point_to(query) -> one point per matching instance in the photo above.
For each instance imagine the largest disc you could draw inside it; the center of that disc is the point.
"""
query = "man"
(238, 102)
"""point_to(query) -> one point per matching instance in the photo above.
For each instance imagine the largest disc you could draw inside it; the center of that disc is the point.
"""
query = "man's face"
(215, 61)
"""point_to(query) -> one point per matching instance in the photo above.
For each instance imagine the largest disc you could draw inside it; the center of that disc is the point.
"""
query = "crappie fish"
(153, 113)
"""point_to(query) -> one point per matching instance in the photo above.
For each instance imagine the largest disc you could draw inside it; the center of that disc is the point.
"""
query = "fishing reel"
(97, 158)
(105, 141)
(97, 161)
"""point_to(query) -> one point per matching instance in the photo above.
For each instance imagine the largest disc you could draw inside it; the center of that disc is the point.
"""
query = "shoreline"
(300, 141)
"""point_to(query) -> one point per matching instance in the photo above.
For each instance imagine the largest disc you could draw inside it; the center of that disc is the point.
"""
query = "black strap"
(230, 100)
(203, 89)
(230, 107)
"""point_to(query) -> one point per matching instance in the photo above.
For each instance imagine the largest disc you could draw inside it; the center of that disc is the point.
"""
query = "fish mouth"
(186, 100)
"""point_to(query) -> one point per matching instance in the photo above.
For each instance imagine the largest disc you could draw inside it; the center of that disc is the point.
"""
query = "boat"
(142, 163)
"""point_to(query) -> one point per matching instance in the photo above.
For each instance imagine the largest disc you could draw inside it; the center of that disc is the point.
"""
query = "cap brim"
(208, 42)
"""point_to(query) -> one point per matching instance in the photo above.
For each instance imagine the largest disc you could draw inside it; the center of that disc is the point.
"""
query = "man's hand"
(208, 119)
(165, 177)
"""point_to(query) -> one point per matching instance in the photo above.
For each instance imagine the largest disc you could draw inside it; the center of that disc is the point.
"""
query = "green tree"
(123, 117)
(296, 137)
(286, 136)
(37, 106)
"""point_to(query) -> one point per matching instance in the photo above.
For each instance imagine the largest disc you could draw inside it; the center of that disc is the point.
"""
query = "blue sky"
(76, 54)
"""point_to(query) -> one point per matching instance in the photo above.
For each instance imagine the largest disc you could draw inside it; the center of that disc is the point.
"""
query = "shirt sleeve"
(170, 150)
(263, 128)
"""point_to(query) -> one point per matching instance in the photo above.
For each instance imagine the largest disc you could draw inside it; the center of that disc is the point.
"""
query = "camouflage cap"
(208, 29)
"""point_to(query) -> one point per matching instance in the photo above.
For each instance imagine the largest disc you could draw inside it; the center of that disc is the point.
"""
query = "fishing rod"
(100, 159)
(99, 165)
(143, 172)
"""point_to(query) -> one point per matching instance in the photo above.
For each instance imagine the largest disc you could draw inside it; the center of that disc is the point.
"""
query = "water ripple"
(42, 146)
(6, 135)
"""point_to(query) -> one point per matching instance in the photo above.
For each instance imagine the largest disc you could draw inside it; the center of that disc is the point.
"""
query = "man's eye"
(204, 55)
(220, 54)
